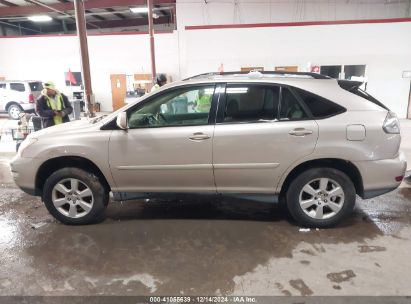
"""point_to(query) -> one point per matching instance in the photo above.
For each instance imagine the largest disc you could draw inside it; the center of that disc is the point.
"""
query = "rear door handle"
(300, 132)
(199, 136)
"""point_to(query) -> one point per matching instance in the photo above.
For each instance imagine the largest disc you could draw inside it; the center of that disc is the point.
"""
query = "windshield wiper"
(97, 119)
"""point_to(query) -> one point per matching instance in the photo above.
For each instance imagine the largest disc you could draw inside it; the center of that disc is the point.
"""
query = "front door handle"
(300, 132)
(199, 136)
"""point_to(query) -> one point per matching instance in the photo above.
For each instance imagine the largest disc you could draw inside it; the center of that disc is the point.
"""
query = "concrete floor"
(203, 247)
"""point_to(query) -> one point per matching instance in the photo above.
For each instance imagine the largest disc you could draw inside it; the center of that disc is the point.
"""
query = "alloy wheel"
(321, 198)
(72, 198)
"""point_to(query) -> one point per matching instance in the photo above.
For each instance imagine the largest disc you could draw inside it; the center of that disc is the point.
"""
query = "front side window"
(19, 87)
(290, 108)
(181, 107)
(2, 85)
(251, 103)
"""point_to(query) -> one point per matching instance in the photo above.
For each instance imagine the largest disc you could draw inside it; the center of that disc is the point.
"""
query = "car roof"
(323, 86)
(258, 74)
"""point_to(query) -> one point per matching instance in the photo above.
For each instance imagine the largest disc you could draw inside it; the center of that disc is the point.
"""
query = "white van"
(18, 96)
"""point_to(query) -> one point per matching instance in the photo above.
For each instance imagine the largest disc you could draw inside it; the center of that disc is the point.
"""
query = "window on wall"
(331, 70)
(349, 72)
(73, 78)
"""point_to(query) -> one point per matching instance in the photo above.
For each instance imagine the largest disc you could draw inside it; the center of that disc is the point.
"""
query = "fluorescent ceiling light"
(40, 18)
(137, 10)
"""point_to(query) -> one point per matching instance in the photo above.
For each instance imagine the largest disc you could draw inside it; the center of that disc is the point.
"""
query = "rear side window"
(2, 85)
(319, 106)
(19, 87)
(36, 86)
(290, 108)
(249, 103)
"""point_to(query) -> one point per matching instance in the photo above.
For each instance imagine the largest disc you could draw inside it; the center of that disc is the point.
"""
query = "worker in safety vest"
(203, 102)
(161, 80)
(52, 106)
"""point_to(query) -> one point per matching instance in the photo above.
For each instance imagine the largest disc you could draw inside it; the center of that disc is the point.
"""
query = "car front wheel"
(321, 197)
(75, 197)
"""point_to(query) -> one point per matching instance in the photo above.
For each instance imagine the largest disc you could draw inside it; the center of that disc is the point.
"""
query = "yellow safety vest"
(57, 106)
(203, 104)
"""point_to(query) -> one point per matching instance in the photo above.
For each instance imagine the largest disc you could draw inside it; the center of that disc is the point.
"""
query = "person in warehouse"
(52, 106)
(160, 81)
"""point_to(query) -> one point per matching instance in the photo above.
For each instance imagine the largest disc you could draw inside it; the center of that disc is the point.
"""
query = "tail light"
(31, 98)
(391, 124)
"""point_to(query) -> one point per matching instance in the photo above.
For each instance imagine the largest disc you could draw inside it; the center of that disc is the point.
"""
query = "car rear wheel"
(75, 197)
(321, 197)
(14, 111)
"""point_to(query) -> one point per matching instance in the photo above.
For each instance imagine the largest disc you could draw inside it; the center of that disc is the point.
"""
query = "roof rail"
(211, 74)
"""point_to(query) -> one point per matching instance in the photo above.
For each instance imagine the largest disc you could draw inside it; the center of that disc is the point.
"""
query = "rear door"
(261, 130)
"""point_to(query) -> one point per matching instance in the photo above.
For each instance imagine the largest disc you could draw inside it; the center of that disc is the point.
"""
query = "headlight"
(25, 144)
(391, 124)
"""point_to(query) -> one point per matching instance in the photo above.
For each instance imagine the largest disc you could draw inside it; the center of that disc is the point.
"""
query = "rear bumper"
(379, 176)
(24, 173)
(28, 107)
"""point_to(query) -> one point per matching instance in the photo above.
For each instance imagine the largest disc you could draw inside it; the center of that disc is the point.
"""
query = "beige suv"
(302, 139)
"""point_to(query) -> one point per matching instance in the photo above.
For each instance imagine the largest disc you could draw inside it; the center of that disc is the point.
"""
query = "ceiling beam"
(94, 15)
(69, 6)
(127, 22)
(121, 16)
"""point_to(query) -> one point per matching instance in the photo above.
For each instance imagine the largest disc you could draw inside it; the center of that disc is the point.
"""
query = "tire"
(320, 209)
(84, 206)
(14, 111)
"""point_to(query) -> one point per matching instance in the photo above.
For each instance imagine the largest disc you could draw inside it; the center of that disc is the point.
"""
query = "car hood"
(76, 126)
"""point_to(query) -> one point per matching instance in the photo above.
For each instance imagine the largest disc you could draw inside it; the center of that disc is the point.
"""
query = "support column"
(151, 33)
(85, 61)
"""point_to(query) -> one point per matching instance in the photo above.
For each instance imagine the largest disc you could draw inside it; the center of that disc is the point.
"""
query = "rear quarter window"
(319, 107)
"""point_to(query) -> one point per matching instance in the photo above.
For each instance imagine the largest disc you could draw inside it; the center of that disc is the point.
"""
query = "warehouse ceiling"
(101, 15)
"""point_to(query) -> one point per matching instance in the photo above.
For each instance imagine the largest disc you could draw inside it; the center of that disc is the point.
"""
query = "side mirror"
(122, 121)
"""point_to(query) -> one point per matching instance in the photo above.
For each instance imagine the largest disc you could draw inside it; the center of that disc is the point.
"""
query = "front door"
(168, 146)
(261, 131)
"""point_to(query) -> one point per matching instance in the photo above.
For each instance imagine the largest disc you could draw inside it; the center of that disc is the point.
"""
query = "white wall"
(47, 58)
(384, 48)
(197, 12)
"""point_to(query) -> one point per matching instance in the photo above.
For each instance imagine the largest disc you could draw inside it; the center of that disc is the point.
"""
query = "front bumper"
(379, 176)
(24, 173)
